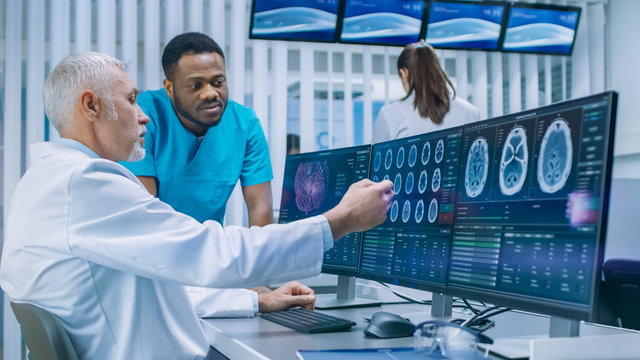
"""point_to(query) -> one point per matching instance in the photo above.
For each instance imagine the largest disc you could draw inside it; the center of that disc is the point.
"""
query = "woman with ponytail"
(428, 105)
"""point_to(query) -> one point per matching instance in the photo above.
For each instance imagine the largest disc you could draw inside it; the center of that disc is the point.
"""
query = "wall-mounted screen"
(381, 22)
(314, 183)
(465, 25)
(297, 20)
(541, 29)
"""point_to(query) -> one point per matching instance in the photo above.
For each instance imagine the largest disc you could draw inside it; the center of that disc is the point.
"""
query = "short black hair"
(188, 43)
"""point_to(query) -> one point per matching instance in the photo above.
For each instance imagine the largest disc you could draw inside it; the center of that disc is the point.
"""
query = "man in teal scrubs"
(199, 143)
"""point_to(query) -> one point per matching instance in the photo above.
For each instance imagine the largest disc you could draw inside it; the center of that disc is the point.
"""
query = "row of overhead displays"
(510, 210)
(470, 25)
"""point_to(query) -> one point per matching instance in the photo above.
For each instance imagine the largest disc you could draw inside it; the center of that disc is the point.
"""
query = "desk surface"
(256, 338)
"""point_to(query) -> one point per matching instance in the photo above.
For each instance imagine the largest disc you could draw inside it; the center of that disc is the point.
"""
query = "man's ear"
(89, 105)
(168, 87)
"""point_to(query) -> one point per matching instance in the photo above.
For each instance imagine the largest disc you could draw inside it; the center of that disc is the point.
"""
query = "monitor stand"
(561, 327)
(441, 305)
(345, 296)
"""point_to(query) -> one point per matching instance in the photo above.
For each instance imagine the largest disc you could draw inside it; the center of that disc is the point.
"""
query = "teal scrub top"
(197, 178)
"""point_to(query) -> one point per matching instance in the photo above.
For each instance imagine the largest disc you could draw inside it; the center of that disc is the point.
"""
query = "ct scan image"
(393, 216)
(435, 182)
(397, 183)
(433, 211)
(408, 187)
(555, 157)
(311, 184)
(439, 153)
(477, 168)
(422, 182)
(377, 161)
(400, 158)
(388, 159)
(426, 153)
(413, 155)
(419, 211)
(513, 162)
(406, 211)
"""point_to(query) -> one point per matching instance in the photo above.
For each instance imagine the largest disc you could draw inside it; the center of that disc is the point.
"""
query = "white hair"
(73, 75)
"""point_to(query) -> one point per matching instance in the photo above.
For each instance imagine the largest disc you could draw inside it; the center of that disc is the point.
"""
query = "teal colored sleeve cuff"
(327, 235)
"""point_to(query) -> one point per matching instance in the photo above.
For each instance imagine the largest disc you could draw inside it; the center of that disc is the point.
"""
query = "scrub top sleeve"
(256, 165)
(146, 166)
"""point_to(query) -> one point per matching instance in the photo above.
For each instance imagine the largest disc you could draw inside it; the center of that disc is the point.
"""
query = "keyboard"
(308, 321)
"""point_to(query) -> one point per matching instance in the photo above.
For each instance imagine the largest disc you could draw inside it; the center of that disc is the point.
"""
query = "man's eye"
(132, 100)
(195, 86)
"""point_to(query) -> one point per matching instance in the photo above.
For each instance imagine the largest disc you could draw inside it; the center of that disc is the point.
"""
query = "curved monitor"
(531, 210)
(381, 22)
(314, 183)
(296, 20)
(465, 25)
(541, 29)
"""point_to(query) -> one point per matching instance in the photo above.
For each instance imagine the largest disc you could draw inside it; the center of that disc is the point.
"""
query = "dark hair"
(186, 44)
(427, 79)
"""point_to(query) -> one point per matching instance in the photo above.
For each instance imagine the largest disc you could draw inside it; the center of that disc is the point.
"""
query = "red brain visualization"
(311, 185)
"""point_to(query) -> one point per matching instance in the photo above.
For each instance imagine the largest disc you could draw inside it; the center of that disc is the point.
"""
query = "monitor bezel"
(343, 6)
(541, 7)
(505, 5)
(547, 306)
(331, 268)
(284, 38)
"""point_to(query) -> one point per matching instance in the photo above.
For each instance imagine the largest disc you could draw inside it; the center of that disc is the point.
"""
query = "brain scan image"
(406, 211)
(477, 167)
(426, 153)
(432, 215)
(400, 158)
(408, 186)
(386, 177)
(419, 211)
(439, 151)
(413, 155)
(422, 182)
(554, 160)
(435, 181)
(375, 179)
(311, 185)
(394, 211)
(388, 159)
(397, 184)
(513, 163)
(377, 161)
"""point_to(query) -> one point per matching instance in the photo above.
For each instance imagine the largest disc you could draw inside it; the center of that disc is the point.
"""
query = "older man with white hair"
(88, 243)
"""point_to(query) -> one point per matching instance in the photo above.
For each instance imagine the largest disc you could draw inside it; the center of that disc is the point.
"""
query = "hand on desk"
(288, 295)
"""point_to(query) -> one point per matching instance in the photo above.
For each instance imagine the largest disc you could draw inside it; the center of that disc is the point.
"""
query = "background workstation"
(327, 93)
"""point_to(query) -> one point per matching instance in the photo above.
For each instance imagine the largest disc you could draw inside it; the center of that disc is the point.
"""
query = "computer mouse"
(387, 325)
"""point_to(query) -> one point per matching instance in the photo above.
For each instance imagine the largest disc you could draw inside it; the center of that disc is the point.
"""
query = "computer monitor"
(465, 24)
(295, 20)
(541, 29)
(411, 248)
(315, 182)
(381, 22)
(531, 209)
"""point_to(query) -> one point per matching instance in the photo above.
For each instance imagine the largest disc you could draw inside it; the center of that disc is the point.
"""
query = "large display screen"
(381, 22)
(412, 246)
(314, 183)
(541, 29)
(532, 195)
(465, 25)
(299, 20)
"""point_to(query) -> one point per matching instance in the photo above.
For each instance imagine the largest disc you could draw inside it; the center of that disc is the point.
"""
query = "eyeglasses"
(444, 340)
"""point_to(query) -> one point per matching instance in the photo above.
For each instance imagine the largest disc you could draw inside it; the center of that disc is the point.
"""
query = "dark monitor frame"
(425, 22)
(284, 38)
(334, 269)
(340, 22)
(542, 7)
(552, 307)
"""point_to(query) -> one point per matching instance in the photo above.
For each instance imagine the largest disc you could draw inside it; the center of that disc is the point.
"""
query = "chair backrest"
(622, 280)
(43, 334)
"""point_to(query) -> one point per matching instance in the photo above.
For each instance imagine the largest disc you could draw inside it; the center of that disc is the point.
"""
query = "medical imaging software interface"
(527, 208)
(413, 243)
(314, 183)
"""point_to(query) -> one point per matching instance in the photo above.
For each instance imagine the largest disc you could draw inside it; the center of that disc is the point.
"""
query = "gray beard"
(137, 153)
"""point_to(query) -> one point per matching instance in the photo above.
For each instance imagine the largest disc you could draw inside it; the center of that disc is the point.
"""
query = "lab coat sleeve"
(113, 221)
(381, 131)
(221, 302)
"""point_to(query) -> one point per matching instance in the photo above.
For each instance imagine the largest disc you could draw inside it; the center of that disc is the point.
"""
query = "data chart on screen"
(412, 245)
(314, 183)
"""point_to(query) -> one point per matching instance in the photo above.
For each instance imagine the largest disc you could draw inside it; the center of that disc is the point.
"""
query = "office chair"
(46, 339)
(622, 281)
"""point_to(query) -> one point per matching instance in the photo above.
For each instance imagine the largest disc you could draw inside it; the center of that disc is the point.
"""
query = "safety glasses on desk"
(444, 340)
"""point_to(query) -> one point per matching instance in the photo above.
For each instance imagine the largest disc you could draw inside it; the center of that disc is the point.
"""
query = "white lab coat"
(88, 243)
(400, 119)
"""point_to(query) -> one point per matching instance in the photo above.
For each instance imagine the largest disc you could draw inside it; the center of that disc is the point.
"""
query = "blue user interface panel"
(456, 25)
(314, 183)
(412, 246)
(541, 30)
(529, 208)
(382, 22)
(299, 20)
